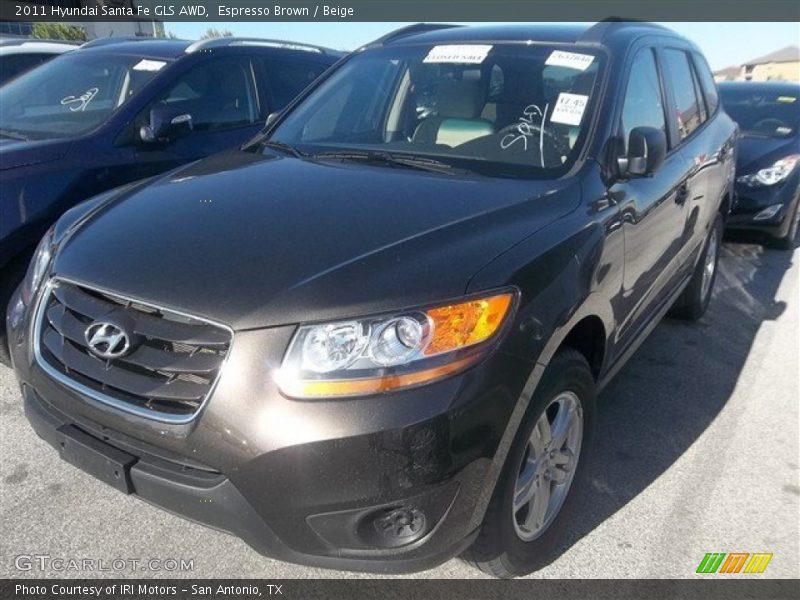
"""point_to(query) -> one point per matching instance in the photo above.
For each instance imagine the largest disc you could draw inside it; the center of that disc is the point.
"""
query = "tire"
(694, 300)
(10, 277)
(787, 241)
(504, 547)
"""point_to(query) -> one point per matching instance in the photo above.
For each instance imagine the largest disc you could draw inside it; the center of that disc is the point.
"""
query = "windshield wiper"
(405, 160)
(14, 135)
(283, 147)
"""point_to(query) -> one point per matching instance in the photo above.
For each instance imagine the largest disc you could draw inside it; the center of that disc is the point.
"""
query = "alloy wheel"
(548, 466)
(710, 264)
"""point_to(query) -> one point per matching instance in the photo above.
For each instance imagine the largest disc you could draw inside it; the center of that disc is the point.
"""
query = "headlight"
(381, 354)
(40, 264)
(771, 175)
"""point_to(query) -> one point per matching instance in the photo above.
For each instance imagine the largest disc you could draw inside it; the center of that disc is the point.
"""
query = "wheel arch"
(588, 337)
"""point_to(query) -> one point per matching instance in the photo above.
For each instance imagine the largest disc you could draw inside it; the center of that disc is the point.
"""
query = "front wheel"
(532, 504)
(694, 300)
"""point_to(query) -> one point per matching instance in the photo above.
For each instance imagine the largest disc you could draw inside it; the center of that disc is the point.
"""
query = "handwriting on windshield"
(79, 103)
(526, 129)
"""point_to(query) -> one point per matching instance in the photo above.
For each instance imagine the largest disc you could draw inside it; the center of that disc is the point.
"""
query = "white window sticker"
(462, 54)
(569, 109)
(572, 60)
(148, 65)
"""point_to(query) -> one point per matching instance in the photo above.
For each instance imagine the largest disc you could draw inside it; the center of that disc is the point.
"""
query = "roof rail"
(409, 30)
(597, 32)
(222, 42)
(107, 41)
(21, 41)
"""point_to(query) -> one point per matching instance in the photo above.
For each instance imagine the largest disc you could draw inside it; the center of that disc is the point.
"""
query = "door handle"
(681, 194)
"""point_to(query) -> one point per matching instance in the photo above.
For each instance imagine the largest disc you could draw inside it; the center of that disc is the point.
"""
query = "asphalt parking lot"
(698, 450)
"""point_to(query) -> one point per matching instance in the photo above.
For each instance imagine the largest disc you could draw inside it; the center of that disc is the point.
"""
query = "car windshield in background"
(507, 109)
(761, 111)
(72, 94)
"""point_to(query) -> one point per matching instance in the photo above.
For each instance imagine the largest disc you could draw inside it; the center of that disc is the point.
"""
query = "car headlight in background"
(771, 175)
(381, 354)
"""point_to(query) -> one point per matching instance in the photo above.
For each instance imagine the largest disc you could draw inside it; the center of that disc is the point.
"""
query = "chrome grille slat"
(200, 334)
(144, 356)
(127, 381)
(168, 376)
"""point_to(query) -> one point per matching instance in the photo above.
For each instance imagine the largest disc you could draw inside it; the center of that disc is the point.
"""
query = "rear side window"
(14, 64)
(707, 83)
(689, 110)
(701, 105)
(643, 105)
(286, 78)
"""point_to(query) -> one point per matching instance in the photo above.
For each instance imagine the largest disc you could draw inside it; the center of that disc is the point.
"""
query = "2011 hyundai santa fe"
(372, 338)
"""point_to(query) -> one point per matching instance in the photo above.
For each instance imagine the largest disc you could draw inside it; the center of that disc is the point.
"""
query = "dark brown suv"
(372, 338)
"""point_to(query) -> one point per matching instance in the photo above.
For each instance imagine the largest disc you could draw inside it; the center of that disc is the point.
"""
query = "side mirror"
(165, 123)
(271, 118)
(647, 148)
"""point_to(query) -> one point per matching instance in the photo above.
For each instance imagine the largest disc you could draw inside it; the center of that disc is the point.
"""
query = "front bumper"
(309, 482)
(749, 201)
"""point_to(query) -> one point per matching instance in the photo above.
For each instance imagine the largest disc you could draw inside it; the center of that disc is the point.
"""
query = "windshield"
(772, 113)
(71, 94)
(509, 109)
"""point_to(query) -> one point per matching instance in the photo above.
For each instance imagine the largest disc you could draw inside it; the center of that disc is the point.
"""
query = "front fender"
(576, 273)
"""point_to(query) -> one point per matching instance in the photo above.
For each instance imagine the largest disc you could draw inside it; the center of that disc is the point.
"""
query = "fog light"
(768, 212)
(400, 526)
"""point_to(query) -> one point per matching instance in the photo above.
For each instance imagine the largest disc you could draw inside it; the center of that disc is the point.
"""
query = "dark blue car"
(115, 111)
(768, 158)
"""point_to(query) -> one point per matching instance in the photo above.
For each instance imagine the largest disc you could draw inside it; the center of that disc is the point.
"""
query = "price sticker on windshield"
(149, 65)
(569, 109)
(571, 60)
(473, 54)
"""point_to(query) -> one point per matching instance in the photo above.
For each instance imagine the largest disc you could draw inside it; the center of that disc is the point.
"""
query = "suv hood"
(17, 153)
(258, 240)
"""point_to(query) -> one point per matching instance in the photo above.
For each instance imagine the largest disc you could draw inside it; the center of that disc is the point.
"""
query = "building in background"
(781, 65)
(727, 74)
(93, 30)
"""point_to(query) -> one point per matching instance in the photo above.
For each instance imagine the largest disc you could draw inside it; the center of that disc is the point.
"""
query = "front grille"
(169, 372)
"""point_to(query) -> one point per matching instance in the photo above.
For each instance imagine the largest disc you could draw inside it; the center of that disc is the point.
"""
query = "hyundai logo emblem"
(107, 340)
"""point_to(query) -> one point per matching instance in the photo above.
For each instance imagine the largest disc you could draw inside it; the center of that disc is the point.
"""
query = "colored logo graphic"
(734, 562)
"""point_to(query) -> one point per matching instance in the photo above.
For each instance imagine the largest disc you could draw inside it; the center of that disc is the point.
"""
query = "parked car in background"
(372, 337)
(115, 111)
(768, 162)
(20, 55)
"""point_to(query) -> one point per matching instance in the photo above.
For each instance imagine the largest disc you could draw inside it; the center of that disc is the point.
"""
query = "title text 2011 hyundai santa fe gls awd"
(372, 338)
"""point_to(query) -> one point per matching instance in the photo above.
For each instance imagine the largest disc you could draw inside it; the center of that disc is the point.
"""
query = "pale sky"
(724, 44)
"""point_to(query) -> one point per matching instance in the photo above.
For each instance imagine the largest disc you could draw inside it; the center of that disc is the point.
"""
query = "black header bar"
(399, 10)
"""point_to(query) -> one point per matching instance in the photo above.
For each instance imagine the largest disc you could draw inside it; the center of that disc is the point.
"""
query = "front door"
(220, 97)
(652, 208)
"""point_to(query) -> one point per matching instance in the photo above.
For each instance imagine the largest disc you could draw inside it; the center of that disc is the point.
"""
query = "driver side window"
(218, 94)
(644, 106)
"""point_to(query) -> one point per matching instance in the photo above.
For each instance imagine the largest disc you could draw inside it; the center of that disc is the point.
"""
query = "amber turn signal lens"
(460, 325)
(375, 385)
